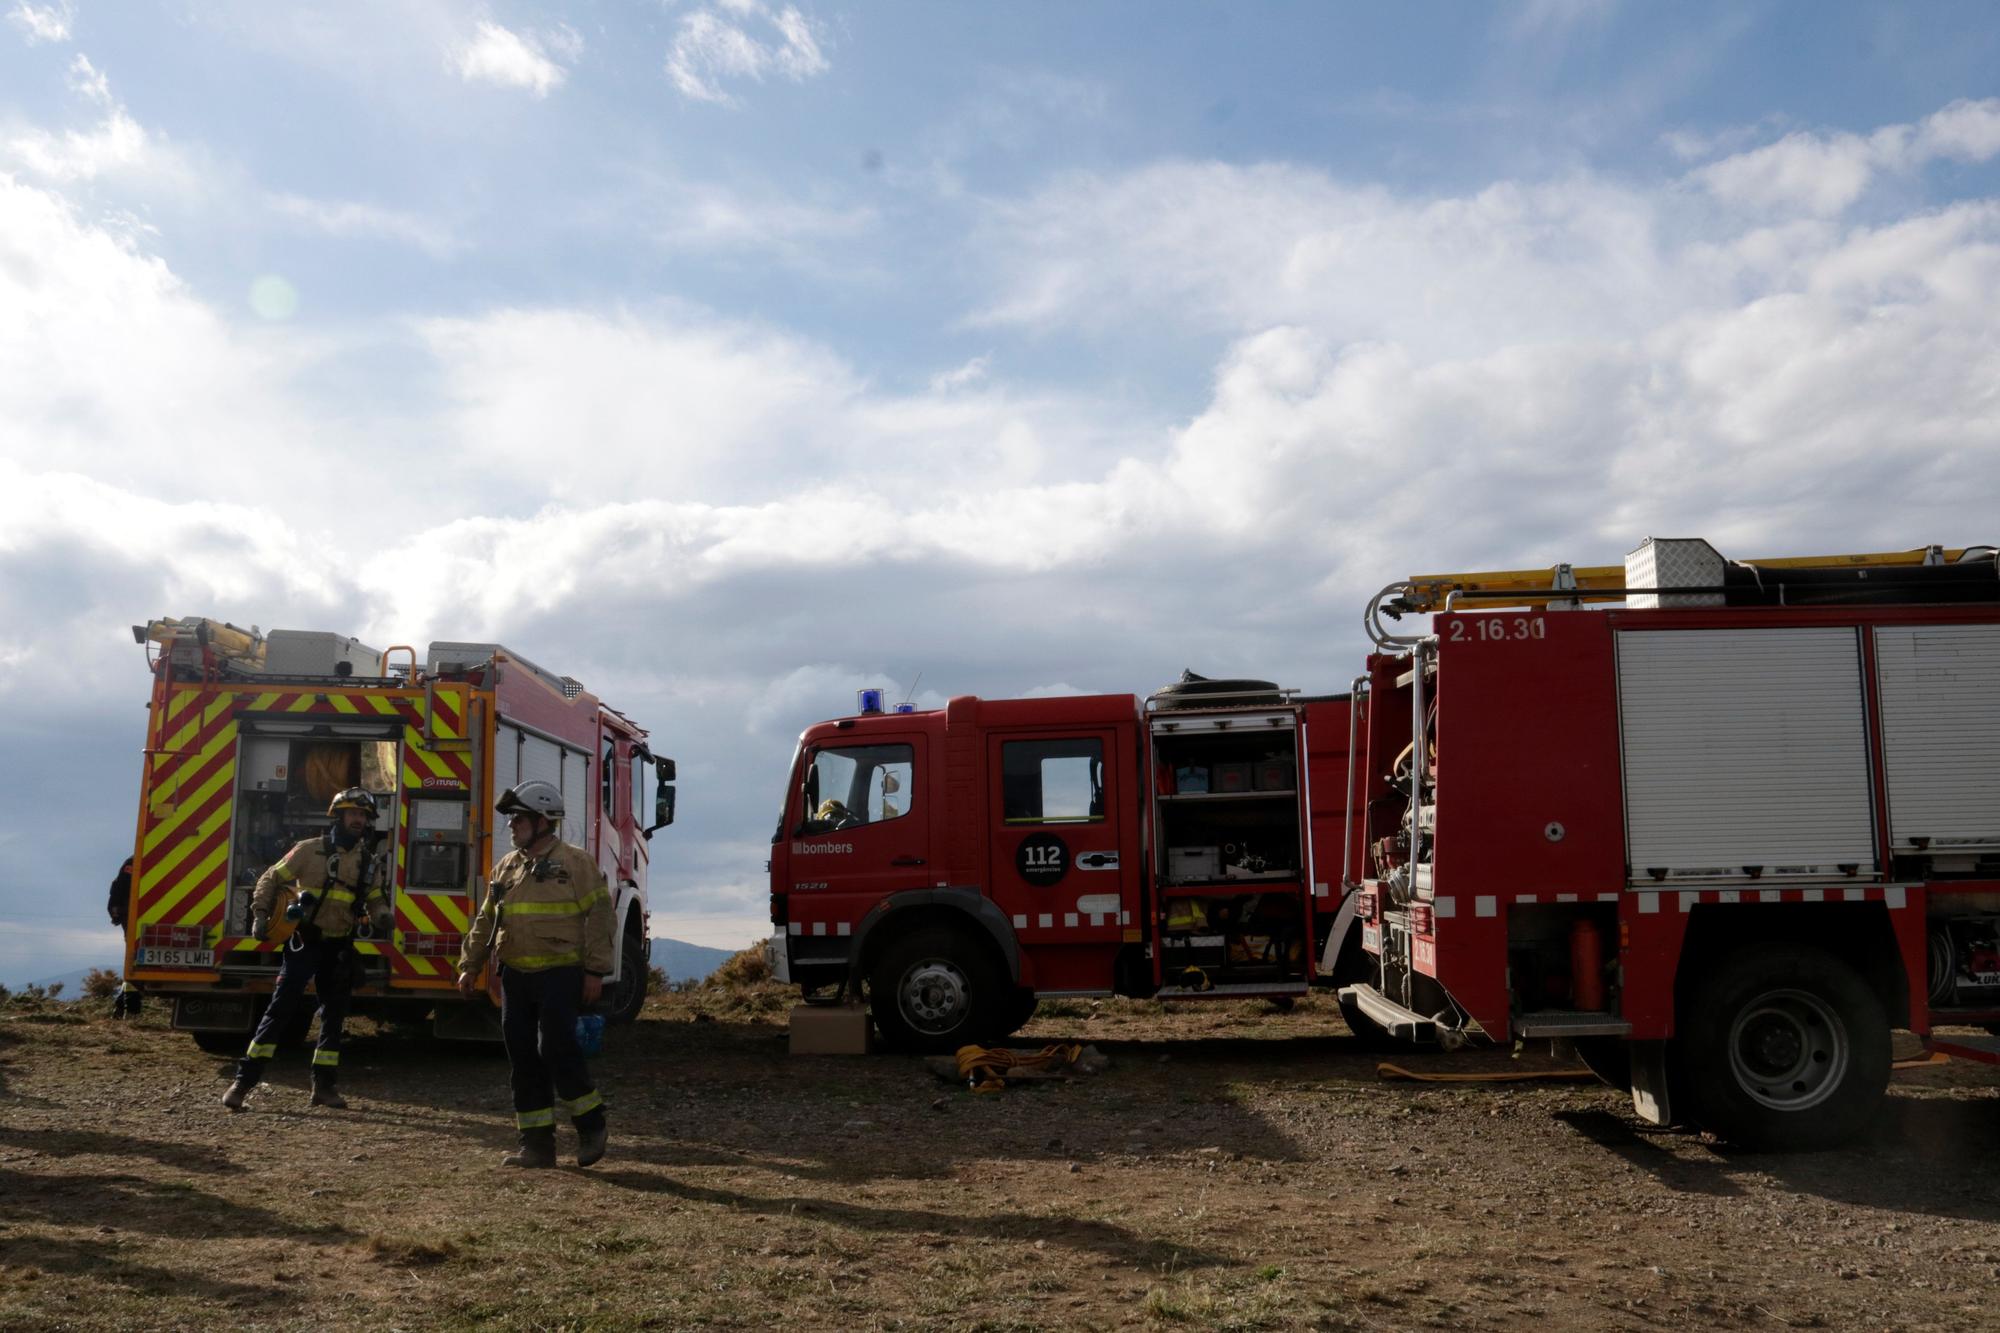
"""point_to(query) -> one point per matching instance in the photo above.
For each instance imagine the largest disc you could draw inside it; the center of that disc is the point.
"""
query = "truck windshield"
(850, 785)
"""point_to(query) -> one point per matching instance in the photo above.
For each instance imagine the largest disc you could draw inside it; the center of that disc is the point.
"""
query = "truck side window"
(851, 785)
(1053, 781)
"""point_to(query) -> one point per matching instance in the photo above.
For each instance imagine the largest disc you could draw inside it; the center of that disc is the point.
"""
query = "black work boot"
(248, 1074)
(324, 1093)
(537, 1150)
(590, 1138)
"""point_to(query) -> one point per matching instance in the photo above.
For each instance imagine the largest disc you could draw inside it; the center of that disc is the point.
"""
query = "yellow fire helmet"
(354, 798)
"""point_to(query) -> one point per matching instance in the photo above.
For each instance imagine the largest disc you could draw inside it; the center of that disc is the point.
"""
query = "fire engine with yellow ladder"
(1724, 825)
(249, 734)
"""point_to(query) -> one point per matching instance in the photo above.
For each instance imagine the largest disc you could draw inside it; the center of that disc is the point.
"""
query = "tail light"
(1423, 918)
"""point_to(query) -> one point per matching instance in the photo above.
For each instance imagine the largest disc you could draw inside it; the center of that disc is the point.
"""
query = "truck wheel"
(222, 1043)
(1020, 1012)
(628, 994)
(1785, 1047)
(935, 990)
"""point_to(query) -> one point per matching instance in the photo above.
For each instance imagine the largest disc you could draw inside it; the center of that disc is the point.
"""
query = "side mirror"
(663, 797)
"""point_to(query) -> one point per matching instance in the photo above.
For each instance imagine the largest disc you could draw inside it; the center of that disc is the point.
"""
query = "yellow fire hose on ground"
(986, 1068)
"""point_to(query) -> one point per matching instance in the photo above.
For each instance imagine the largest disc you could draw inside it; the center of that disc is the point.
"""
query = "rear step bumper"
(1400, 1022)
(1986, 1050)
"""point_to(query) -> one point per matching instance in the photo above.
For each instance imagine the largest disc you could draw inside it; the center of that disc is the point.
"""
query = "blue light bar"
(870, 701)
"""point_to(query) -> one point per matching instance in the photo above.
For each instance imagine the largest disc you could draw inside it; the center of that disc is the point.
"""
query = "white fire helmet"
(531, 798)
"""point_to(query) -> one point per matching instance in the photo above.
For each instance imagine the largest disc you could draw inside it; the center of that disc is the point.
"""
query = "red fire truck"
(1724, 836)
(248, 736)
(959, 864)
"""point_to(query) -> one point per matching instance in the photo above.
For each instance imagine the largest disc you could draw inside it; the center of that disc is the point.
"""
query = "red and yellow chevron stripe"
(183, 863)
(181, 871)
(447, 767)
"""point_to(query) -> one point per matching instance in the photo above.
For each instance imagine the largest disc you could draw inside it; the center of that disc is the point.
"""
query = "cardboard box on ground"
(830, 1029)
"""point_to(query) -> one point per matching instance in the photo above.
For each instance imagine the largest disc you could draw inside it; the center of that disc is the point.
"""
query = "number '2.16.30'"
(1498, 629)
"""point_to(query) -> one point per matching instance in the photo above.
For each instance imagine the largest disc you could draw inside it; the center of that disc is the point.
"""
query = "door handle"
(906, 861)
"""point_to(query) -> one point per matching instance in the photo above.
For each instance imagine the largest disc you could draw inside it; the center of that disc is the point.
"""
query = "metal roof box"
(1673, 562)
(303, 652)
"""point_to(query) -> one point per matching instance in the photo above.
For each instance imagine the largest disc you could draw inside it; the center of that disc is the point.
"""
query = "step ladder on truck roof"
(248, 735)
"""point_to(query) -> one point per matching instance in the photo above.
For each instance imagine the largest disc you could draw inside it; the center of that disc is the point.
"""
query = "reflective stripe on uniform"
(339, 896)
(326, 1057)
(536, 962)
(544, 1119)
(261, 1050)
(541, 909)
(584, 1105)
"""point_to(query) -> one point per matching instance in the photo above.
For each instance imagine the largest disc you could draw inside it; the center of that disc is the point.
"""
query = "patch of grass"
(406, 1252)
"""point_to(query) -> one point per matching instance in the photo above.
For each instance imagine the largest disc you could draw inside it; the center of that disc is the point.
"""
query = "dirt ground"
(1234, 1168)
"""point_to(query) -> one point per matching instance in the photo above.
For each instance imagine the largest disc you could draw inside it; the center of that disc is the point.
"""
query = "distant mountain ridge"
(680, 960)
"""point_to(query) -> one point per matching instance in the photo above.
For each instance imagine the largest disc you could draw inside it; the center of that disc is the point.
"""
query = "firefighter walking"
(335, 876)
(551, 913)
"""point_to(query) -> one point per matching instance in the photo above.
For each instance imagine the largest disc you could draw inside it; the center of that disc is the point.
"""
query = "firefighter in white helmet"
(552, 912)
(338, 887)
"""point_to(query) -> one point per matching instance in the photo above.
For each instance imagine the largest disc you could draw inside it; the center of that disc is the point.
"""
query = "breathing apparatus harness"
(306, 908)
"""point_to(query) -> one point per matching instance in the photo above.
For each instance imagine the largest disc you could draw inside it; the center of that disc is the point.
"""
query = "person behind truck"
(335, 876)
(121, 894)
(551, 912)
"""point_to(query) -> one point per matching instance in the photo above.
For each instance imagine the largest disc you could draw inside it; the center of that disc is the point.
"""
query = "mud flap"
(1649, 1082)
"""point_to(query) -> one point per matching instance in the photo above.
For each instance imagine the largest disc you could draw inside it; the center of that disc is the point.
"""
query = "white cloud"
(347, 218)
(1824, 174)
(43, 23)
(709, 216)
(117, 146)
(509, 59)
(714, 47)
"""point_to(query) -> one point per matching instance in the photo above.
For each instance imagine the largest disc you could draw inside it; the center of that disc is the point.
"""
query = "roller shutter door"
(506, 770)
(1744, 750)
(1941, 734)
(579, 798)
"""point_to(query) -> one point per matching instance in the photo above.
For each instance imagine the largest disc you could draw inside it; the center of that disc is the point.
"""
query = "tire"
(1607, 1057)
(222, 1043)
(1785, 1047)
(937, 990)
(1020, 1013)
(627, 996)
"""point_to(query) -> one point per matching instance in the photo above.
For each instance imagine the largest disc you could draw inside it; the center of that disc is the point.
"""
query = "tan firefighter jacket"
(554, 911)
(344, 883)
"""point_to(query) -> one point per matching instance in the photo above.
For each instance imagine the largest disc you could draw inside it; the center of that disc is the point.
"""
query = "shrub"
(751, 967)
(100, 983)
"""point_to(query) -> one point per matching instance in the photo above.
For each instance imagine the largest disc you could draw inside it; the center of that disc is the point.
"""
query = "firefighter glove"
(260, 926)
(383, 919)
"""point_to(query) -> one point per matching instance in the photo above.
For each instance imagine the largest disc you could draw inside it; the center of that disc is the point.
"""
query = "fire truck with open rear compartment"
(247, 737)
(1724, 836)
(958, 864)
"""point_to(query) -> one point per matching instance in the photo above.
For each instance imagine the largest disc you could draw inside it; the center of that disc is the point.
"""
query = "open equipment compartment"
(1229, 851)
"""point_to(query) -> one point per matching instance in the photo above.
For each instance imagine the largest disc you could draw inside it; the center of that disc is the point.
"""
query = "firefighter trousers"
(538, 1023)
(309, 956)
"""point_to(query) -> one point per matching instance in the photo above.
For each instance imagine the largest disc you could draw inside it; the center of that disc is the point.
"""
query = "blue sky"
(730, 356)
